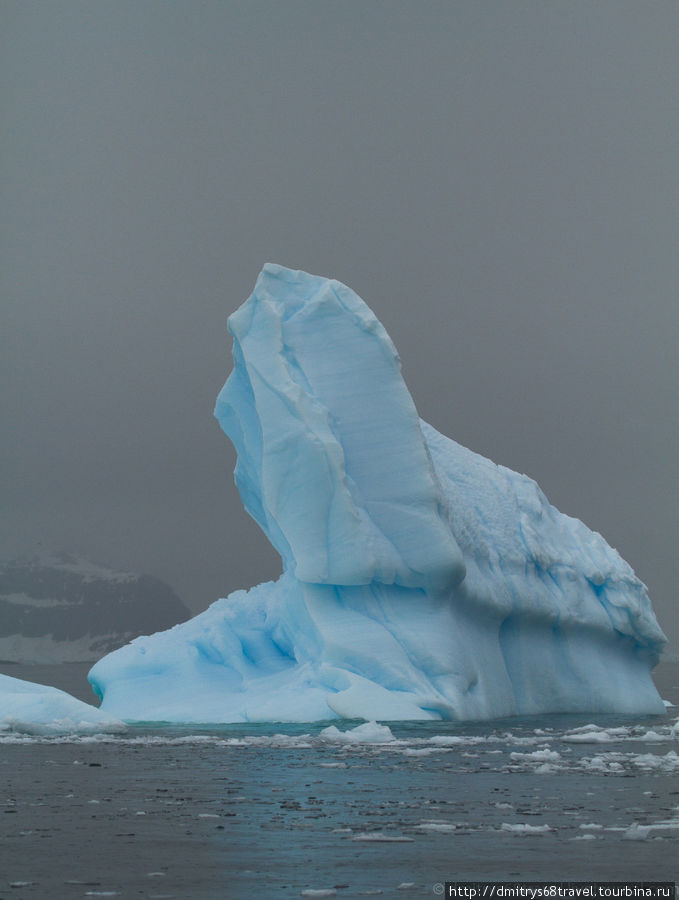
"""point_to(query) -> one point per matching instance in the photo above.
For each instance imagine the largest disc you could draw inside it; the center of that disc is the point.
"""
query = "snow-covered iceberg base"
(242, 660)
(420, 581)
(31, 708)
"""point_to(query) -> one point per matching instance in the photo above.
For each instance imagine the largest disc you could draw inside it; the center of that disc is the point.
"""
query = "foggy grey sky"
(497, 180)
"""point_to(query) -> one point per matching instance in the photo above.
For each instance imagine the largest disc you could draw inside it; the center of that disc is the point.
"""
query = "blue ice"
(420, 580)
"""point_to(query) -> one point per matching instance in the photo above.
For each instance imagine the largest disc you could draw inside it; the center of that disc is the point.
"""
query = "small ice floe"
(595, 734)
(367, 733)
(318, 892)
(380, 837)
(590, 734)
(442, 827)
(546, 760)
(603, 764)
(637, 832)
(585, 837)
(524, 828)
(426, 751)
(333, 765)
(405, 886)
(544, 755)
(667, 763)
(591, 826)
(650, 736)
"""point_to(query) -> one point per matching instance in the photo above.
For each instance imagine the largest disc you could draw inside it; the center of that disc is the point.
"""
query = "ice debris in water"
(420, 580)
(523, 828)
(368, 733)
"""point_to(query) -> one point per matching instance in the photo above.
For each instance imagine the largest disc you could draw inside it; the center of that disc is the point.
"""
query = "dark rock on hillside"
(65, 609)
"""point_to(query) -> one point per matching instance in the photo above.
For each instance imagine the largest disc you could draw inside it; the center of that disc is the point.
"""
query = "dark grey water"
(275, 811)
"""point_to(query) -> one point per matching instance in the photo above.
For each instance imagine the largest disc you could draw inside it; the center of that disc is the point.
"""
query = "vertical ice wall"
(331, 459)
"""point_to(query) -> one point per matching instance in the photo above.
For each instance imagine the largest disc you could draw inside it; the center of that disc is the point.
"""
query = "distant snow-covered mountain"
(65, 609)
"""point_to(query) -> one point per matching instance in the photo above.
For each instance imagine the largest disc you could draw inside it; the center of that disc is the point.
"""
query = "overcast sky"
(498, 181)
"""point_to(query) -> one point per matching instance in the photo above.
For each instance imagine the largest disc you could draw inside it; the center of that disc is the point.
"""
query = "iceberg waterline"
(420, 580)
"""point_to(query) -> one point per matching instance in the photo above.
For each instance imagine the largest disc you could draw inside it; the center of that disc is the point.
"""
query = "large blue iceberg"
(420, 580)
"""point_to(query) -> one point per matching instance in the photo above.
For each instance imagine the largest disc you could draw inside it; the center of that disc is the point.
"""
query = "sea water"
(242, 811)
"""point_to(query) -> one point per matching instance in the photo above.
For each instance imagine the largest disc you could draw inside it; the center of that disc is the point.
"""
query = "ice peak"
(331, 459)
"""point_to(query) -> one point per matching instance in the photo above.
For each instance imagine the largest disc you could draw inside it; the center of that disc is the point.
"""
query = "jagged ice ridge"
(420, 580)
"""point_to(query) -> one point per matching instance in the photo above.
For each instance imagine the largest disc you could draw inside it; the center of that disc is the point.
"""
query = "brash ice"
(420, 580)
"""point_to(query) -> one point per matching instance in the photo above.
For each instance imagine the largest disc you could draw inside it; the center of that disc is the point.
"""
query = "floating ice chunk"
(545, 755)
(441, 827)
(381, 838)
(604, 764)
(38, 709)
(600, 736)
(523, 828)
(637, 832)
(368, 733)
(651, 736)
(667, 763)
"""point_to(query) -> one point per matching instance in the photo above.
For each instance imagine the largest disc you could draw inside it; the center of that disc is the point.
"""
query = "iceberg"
(33, 708)
(420, 580)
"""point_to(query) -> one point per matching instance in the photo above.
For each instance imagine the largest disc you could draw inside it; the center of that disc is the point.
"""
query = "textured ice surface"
(39, 709)
(331, 459)
(420, 580)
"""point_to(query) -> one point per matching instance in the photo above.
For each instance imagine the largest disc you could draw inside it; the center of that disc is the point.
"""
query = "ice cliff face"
(331, 460)
(420, 580)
